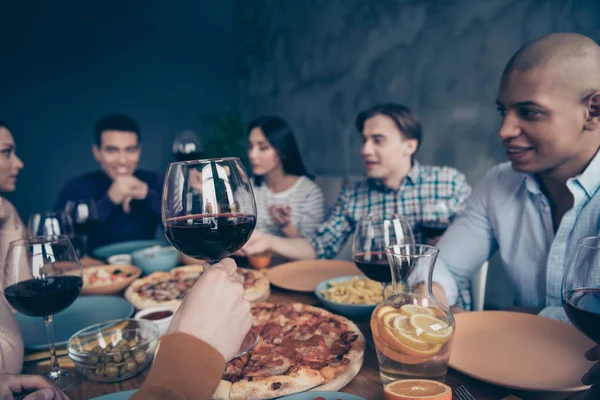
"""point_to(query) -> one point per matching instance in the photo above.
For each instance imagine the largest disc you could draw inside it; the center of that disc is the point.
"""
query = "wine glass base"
(249, 343)
(62, 379)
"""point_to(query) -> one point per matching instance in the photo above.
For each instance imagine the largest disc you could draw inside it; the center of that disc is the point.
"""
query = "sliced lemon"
(413, 309)
(430, 329)
(405, 332)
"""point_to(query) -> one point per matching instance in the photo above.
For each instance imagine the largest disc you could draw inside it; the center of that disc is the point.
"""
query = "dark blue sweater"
(114, 225)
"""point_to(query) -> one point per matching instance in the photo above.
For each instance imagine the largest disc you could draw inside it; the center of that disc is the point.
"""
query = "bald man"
(534, 208)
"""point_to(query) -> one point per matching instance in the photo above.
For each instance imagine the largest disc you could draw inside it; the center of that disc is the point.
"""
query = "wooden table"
(366, 384)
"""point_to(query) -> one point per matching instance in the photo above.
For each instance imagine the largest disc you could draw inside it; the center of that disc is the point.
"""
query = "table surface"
(366, 384)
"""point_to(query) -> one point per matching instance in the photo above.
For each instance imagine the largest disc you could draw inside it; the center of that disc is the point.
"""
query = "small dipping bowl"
(119, 259)
(160, 316)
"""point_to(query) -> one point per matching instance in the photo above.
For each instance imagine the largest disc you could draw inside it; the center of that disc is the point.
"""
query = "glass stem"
(383, 287)
(54, 367)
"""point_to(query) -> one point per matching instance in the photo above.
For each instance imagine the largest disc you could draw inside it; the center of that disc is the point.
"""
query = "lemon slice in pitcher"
(413, 309)
(430, 329)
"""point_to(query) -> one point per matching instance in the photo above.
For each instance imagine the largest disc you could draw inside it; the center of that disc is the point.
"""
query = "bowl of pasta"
(352, 296)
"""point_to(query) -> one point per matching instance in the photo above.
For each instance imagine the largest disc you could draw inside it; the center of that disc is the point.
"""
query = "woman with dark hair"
(11, 228)
(288, 202)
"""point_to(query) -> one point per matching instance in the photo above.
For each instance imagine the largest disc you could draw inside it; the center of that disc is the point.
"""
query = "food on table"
(354, 291)
(301, 347)
(103, 276)
(158, 315)
(121, 359)
(410, 334)
(410, 389)
(169, 288)
(260, 260)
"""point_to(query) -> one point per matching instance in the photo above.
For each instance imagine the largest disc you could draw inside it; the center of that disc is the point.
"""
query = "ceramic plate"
(520, 351)
(85, 311)
(116, 396)
(321, 396)
(304, 276)
(111, 287)
(103, 252)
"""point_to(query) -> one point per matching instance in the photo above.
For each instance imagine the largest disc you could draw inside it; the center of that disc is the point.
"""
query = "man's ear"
(410, 146)
(592, 104)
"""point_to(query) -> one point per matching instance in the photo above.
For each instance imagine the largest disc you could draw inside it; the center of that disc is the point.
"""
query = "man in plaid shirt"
(396, 184)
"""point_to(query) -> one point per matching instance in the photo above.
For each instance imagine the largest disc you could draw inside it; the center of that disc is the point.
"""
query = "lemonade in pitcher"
(411, 329)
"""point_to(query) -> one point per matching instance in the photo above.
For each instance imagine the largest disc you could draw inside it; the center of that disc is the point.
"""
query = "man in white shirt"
(534, 209)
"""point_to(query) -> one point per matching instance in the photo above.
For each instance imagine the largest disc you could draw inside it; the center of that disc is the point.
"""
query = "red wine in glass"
(43, 297)
(374, 265)
(42, 276)
(582, 306)
(208, 209)
(209, 237)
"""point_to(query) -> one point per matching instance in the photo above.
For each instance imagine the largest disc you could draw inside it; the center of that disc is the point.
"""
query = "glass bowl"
(115, 350)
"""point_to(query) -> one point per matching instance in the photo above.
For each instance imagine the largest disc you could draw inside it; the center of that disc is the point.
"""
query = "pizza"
(168, 289)
(301, 347)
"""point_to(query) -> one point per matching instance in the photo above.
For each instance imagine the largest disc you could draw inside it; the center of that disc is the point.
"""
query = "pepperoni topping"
(271, 331)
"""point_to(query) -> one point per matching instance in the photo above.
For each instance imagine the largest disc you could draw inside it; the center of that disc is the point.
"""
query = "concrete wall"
(64, 64)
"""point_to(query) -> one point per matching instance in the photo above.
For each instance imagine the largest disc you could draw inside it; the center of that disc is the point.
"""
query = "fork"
(463, 394)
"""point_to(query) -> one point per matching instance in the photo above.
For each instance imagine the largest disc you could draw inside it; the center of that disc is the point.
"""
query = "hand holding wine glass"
(42, 276)
(218, 297)
(208, 208)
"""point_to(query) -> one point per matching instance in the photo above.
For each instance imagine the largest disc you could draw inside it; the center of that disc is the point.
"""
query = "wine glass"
(374, 233)
(209, 212)
(437, 217)
(187, 146)
(50, 223)
(84, 215)
(42, 276)
(581, 288)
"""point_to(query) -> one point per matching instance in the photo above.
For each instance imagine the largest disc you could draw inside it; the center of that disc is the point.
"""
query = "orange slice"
(384, 310)
(409, 389)
(392, 354)
(405, 341)
(430, 329)
(413, 309)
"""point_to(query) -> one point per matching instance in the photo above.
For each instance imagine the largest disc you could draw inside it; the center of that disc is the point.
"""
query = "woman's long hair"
(281, 137)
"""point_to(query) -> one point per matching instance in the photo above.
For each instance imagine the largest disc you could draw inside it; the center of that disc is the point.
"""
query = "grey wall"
(318, 62)
(64, 64)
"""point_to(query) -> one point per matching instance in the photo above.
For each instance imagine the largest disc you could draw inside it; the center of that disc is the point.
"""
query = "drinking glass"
(49, 224)
(411, 329)
(209, 212)
(437, 218)
(581, 288)
(84, 215)
(187, 146)
(42, 276)
(374, 233)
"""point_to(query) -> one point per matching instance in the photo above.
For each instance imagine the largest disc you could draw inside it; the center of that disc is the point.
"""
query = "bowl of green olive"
(115, 350)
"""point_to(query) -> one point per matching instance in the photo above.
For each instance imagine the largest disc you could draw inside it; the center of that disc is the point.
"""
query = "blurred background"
(204, 65)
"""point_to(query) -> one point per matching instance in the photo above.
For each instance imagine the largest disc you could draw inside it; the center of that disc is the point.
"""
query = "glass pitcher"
(411, 329)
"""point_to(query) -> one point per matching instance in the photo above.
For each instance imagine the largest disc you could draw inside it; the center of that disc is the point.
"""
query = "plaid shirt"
(428, 195)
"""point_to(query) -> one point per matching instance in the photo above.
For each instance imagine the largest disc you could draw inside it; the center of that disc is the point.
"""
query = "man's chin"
(524, 168)
(375, 174)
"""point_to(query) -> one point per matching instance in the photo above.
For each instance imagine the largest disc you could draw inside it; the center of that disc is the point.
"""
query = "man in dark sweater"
(128, 200)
